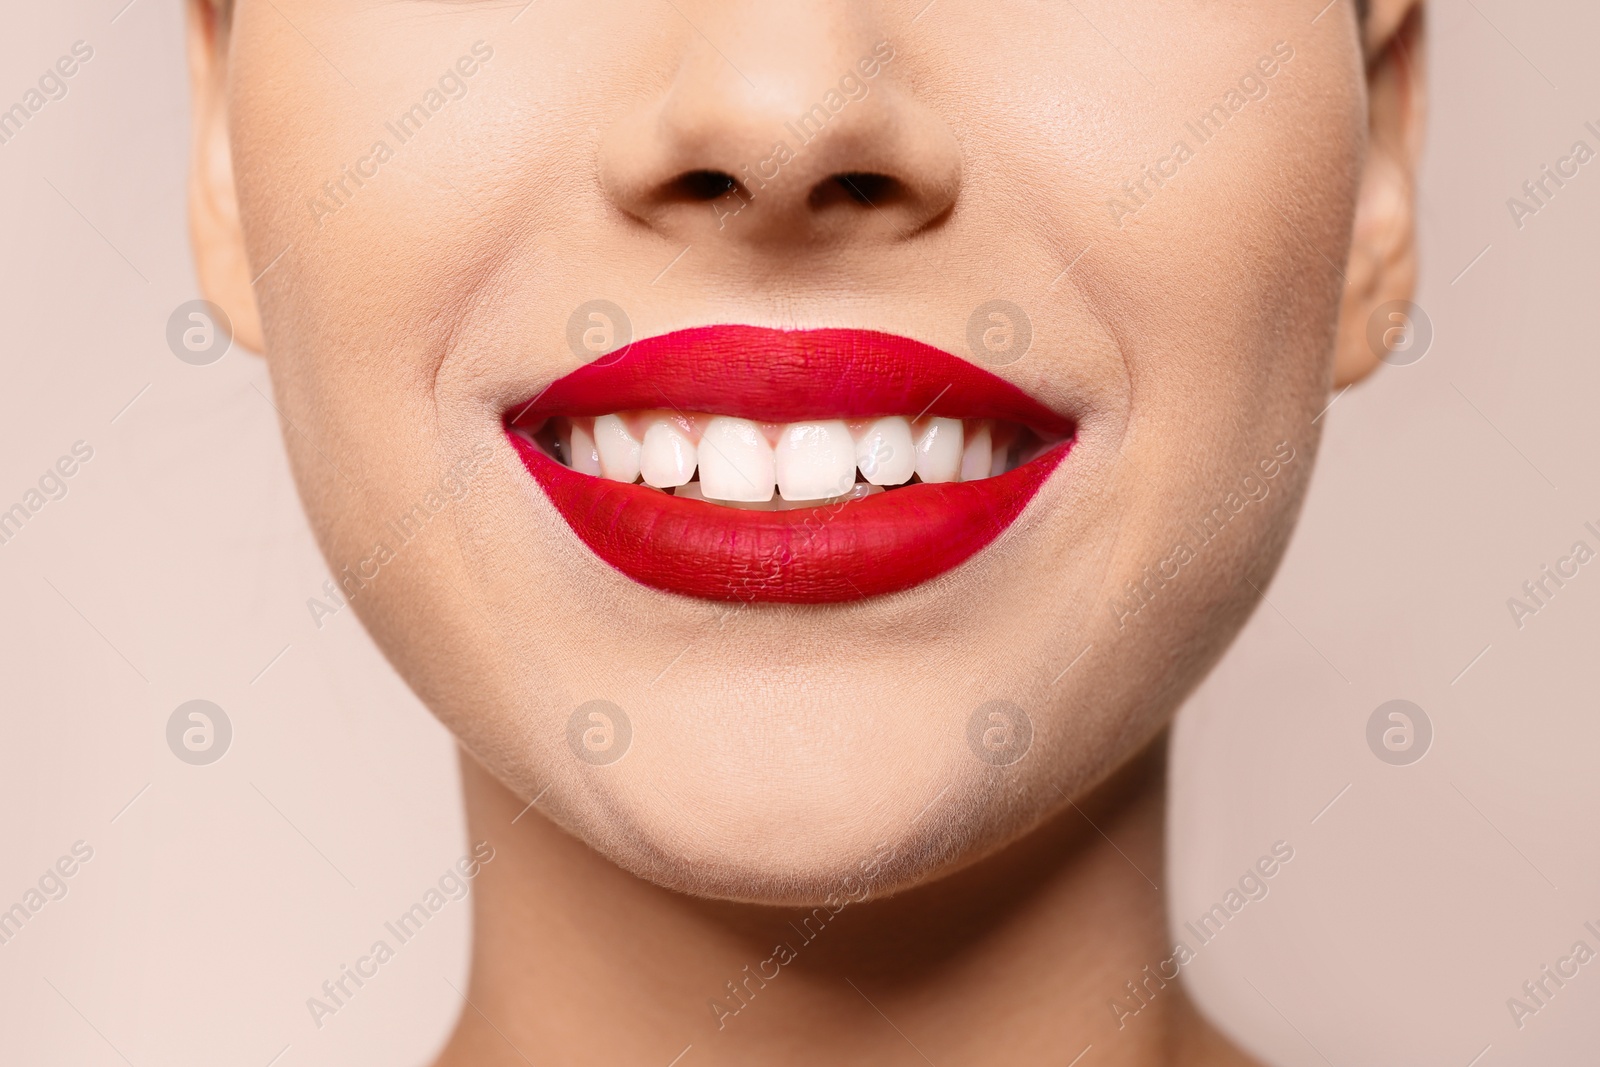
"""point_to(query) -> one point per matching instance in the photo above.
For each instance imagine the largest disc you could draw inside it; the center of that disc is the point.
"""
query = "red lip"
(828, 553)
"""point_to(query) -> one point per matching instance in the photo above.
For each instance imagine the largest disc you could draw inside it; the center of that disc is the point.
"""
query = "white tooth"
(692, 492)
(885, 453)
(816, 461)
(978, 455)
(939, 450)
(997, 466)
(585, 459)
(667, 457)
(735, 461)
(618, 449)
(859, 491)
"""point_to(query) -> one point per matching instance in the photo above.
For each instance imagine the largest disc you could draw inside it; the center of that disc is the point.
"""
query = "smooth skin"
(782, 756)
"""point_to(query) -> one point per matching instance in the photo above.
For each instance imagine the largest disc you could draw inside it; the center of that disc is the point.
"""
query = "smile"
(741, 463)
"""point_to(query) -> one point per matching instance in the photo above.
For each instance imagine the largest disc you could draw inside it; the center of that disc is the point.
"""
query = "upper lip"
(778, 376)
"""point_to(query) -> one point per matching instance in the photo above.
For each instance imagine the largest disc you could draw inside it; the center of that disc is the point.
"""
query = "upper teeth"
(815, 461)
(668, 456)
(883, 452)
(618, 449)
(938, 450)
(736, 463)
(740, 461)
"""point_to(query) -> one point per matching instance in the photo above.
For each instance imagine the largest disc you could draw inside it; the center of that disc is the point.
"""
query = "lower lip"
(881, 544)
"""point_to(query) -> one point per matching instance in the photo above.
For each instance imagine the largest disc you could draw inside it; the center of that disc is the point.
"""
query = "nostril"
(869, 190)
(864, 187)
(702, 185)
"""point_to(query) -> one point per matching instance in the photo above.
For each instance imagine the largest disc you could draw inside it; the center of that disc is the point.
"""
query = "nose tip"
(775, 155)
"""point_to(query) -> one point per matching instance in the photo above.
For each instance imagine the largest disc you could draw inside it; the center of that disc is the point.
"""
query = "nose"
(798, 131)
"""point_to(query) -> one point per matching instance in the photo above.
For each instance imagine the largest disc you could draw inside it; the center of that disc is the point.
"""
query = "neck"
(1018, 959)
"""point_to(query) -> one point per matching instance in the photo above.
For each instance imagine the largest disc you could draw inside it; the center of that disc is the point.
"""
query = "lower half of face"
(817, 454)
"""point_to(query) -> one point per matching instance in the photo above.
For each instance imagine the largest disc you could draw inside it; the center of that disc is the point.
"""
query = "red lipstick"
(832, 551)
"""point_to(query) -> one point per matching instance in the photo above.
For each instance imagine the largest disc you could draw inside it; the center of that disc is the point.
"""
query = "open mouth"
(811, 466)
(768, 466)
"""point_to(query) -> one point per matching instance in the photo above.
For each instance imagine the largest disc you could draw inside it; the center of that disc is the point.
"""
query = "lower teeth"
(859, 491)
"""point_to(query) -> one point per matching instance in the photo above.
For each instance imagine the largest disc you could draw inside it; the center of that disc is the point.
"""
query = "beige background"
(220, 897)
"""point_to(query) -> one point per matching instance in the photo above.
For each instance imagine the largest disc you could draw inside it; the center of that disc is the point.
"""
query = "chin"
(776, 832)
(800, 777)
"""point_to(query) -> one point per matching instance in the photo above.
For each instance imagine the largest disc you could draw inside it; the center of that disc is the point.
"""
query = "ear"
(1383, 255)
(221, 261)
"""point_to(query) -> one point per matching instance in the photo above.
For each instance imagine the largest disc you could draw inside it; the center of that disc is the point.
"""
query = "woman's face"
(435, 195)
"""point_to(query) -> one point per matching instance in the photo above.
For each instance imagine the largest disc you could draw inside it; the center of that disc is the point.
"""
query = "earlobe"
(222, 261)
(1382, 267)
